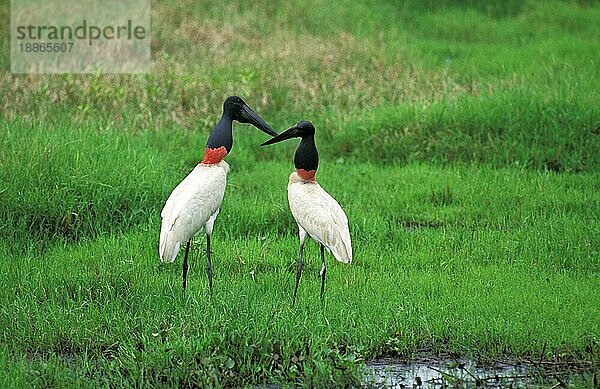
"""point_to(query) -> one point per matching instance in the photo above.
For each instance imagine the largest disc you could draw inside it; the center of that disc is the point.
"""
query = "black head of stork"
(220, 141)
(306, 159)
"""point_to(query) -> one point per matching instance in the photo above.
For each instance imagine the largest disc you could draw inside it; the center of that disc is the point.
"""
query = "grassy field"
(461, 139)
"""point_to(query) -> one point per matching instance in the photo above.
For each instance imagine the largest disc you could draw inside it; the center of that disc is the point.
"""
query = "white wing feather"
(321, 216)
(191, 205)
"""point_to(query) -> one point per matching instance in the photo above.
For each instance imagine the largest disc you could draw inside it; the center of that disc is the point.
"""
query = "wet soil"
(426, 371)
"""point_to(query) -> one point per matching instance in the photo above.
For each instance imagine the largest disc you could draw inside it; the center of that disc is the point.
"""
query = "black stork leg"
(323, 270)
(185, 265)
(209, 266)
(298, 273)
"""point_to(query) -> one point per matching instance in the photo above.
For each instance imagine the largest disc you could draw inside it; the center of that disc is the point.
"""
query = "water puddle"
(427, 372)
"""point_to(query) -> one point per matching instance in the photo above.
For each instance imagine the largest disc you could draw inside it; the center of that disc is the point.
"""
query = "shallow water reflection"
(438, 373)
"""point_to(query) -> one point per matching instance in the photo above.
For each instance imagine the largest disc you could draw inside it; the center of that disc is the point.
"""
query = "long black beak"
(287, 134)
(253, 118)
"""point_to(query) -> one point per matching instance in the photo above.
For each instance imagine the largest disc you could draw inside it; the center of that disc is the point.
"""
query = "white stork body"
(315, 211)
(194, 204)
(319, 215)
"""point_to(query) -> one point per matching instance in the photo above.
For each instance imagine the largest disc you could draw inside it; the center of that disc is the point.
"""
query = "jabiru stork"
(194, 204)
(317, 213)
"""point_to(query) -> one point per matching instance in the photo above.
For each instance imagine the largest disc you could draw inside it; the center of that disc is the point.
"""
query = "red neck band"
(212, 156)
(306, 175)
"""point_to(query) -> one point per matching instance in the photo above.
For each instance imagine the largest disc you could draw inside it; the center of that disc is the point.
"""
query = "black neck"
(307, 157)
(222, 134)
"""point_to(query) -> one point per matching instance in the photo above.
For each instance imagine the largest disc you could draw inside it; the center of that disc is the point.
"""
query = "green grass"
(468, 259)
(461, 139)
